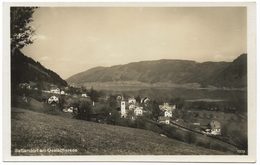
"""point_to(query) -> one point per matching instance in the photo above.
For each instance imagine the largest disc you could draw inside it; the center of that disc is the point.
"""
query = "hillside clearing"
(37, 131)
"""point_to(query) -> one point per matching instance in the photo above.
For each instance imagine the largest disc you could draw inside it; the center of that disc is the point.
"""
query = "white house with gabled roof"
(132, 101)
(55, 90)
(138, 111)
(167, 109)
(53, 99)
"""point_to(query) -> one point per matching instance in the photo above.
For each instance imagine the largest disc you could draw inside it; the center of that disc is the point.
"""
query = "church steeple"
(123, 110)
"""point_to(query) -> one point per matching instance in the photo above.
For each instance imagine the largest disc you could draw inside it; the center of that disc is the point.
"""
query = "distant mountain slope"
(232, 74)
(25, 69)
(235, 74)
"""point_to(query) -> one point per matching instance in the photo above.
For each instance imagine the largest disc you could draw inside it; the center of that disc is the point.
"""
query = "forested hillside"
(25, 69)
(222, 74)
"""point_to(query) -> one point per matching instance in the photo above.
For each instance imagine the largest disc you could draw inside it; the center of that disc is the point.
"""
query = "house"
(53, 100)
(55, 90)
(25, 86)
(164, 120)
(70, 109)
(84, 95)
(145, 100)
(118, 98)
(132, 101)
(168, 113)
(215, 127)
(138, 111)
(131, 107)
(167, 109)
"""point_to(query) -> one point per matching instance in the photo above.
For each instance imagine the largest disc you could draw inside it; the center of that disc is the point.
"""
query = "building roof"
(55, 88)
(138, 109)
(166, 107)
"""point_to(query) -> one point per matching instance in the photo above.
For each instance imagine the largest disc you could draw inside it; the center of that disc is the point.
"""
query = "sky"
(70, 40)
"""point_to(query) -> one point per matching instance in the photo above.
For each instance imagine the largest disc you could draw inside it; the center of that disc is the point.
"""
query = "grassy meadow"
(44, 132)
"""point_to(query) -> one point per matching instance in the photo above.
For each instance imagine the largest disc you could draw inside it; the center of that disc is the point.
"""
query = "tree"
(62, 102)
(138, 99)
(154, 108)
(94, 95)
(85, 109)
(21, 33)
(113, 117)
(130, 114)
(112, 102)
(179, 102)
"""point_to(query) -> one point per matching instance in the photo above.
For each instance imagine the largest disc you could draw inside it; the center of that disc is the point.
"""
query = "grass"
(42, 132)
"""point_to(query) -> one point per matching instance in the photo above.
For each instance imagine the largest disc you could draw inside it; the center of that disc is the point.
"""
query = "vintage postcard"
(164, 82)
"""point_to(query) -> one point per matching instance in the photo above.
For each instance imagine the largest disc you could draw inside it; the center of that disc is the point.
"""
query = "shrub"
(51, 110)
(20, 102)
(140, 123)
(172, 132)
(37, 95)
(153, 127)
(203, 144)
(190, 137)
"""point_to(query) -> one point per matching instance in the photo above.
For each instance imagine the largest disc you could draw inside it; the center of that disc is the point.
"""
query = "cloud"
(45, 58)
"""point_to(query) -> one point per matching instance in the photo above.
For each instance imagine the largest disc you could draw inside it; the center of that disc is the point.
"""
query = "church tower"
(123, 111)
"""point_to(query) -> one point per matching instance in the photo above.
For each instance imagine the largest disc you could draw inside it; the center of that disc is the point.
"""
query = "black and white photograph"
(130, 82)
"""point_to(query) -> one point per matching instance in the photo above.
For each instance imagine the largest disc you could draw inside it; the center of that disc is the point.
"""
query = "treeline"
(231, 106)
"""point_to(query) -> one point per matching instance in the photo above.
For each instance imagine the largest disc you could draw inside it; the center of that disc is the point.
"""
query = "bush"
(190, 137)
(172, 132)
(140, 123)
(126, 122)
(37, 95)
(20, 102)
(50, 110)
(203, 144)
(153, 127)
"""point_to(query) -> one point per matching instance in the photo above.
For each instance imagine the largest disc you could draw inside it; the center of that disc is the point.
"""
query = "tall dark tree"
(93, 95)
(138, 99)
(154, 108)
(85, 109)
(21, 33)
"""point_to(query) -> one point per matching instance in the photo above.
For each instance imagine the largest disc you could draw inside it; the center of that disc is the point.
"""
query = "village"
(126, 108)
(209, 124)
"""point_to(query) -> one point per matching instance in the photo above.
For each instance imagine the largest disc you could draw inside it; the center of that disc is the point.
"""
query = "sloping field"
(34, 133)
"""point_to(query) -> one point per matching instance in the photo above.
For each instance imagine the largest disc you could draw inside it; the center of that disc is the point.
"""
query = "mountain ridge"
(171, 71)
